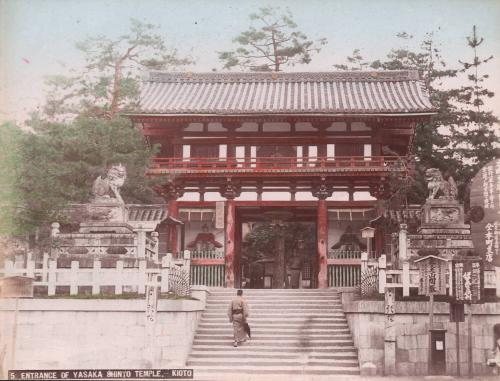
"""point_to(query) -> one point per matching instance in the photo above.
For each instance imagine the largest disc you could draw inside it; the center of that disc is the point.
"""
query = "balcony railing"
(263, 164)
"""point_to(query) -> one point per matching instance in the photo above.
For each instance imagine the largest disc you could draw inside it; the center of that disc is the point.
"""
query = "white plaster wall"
(77, 334)
(367, 323)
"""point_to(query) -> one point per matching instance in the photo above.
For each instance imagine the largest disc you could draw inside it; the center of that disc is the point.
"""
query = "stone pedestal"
(442, 232)
(107, 211)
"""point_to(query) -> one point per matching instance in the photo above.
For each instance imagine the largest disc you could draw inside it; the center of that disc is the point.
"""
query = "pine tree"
(431, 145)
(272, 44)
(110, 80)
(356, 61)
(475, 135)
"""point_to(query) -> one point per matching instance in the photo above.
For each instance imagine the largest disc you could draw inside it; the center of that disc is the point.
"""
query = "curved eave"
(137, 115)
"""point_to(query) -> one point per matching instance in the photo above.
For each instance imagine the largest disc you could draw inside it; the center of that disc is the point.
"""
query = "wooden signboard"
(16, 287)
(432, 274)
(485, 213)
(457, 314)
(467, 280)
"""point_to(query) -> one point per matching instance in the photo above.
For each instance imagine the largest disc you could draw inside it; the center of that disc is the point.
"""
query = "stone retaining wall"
(95, 333)
(367, 322)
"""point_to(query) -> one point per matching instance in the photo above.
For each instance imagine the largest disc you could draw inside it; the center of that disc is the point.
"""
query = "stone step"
(272, 350)
(280, 343)
(242, 352)
(297, 319)
(225, 303)
(283, 338)
(285, 307)
(273, 331)
(277, 370)
(295, 332)
(270, 311)
(273, 327)
(272, 363)
(278, 297)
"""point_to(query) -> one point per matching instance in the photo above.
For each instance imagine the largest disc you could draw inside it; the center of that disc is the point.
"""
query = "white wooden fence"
(122, 278)
(406, 277)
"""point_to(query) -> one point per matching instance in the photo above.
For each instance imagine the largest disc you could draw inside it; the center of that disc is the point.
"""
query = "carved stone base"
(108, 211)
(442, 212)
(442, 230)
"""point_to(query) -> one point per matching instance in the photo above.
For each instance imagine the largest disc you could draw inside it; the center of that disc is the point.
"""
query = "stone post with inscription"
(390, 332)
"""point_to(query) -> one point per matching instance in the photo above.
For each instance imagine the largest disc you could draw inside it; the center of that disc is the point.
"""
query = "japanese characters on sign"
(468, 282)
(432, 273)
(485, 194)
(151, 301)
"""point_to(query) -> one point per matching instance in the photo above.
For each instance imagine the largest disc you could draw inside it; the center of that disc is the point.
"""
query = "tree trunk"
(275, 53)
(116, 89)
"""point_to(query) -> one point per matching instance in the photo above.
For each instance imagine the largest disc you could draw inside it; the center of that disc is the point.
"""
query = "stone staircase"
(294, 332)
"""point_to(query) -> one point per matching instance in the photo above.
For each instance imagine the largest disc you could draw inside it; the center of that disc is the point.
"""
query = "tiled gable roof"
(357, 92)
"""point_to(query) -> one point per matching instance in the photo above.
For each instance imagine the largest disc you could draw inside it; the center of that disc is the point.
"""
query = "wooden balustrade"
(271, 163)
(208, 275)
(123, 279)
(207, 254)
(344, 275)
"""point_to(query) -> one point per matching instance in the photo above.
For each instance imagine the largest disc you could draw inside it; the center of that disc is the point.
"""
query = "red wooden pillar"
(322, 239)
(230, 190)
(237, 255)
(229, 257)
(173, 211)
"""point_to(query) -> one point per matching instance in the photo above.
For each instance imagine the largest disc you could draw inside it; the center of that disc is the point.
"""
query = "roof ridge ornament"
(330, 76)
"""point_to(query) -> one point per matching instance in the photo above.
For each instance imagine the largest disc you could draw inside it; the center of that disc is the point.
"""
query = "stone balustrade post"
(8, 267)
(30, 269)
(382, 277)
(403, 246)
(119, 278)
(143, 277)
(166, 262)
(45, 266)
(364, 262)
(96, 286)
(406, 278)
(156, 241)
(73, 288)
(186, 263)
(141, 242)
(54, 232)
(51, 289)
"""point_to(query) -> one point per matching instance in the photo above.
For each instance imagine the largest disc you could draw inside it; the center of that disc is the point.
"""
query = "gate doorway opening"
(278, 248)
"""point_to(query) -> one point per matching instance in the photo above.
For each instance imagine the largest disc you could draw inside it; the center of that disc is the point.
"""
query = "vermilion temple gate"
(323, 142)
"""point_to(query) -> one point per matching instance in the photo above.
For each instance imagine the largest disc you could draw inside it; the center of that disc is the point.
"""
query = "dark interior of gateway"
(276, 245)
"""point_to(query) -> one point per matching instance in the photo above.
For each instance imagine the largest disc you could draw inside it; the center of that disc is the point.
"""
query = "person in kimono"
(238, 314)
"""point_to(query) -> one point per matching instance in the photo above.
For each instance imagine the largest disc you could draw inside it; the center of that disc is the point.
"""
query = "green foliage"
(58, 164)
(109, 82)
(260, 241)
(474, 136)
(356, 61)
(10, 141)
(461, 137)
(274, 42)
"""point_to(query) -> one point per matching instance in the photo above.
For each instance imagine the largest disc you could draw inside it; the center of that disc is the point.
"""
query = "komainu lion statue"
(436, 183)
(108, 188)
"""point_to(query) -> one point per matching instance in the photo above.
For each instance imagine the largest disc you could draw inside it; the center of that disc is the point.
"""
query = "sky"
(37, 37)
